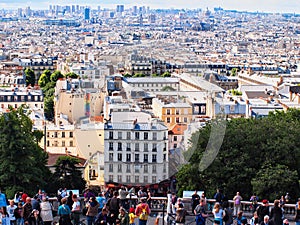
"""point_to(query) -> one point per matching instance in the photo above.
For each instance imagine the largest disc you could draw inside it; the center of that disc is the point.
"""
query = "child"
(132, 216)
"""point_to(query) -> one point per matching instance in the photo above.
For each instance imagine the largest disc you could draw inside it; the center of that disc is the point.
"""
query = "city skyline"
(273, 6)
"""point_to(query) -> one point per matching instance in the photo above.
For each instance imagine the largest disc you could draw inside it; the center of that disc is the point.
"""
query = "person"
(263, 210)
(195, 200)
(132, 216)
(64, 193)
(254, 219)
(18, 213)
(179, 201)
(17, 197)
(287, 197)
(228, 219)
(237, 203)
(102, 218)
(35, 203)
(10, 210)
(218, 214)
(276, 214)
(180, 215)
(286, 222)
(70, 199)
(88, 194)
(64, 213)
(122, 195)
(200, 213)
(142, 211)
(3, 200)
(101, 200)
(27, 209)
(240, 219)
(173, 202)
(219, 196)
(46, 211)
(75, 210)
(149, 197)
(92, 210)
(4, 216)
(254, 200)
(123, 218)
(114, 205)
(24, 197)
(266, 221)
(35, 219)
(297, 210)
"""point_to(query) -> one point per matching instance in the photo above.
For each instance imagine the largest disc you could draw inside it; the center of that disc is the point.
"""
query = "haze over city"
(291, 6)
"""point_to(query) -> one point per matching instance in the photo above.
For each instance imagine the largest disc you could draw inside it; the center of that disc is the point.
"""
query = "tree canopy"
(257, 155)
(22, 161)
(30, 77)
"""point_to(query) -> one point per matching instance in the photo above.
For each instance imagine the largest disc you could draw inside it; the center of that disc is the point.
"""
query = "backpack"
(180, 217)
(144, 214)
(226, 217)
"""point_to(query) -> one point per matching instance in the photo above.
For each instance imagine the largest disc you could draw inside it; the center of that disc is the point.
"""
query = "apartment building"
(136, 153)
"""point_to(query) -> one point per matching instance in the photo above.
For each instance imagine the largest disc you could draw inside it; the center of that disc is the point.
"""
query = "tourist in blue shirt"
(64, 212)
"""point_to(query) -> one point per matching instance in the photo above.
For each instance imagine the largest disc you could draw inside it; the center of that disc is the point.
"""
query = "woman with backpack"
(142, 211)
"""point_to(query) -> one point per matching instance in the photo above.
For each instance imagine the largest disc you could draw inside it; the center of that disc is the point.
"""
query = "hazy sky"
(292, 6)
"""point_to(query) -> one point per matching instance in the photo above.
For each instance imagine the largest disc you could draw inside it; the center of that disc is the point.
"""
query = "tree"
(44, 78)
(254, 154)
(55, 76)
(166, 74)
(30, 77)
(22, 161)
(234, 71)
(72, 75)
(67, 174)
(168, 88)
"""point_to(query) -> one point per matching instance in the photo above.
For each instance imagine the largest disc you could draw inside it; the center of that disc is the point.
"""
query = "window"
(119, 167)
(137, 147)
(154, 136)
(145, 136)
(136, 179)
(110, 168)
(154, 169)
(136, 157)
(164, 168)
(175, 138)
(154, 149)
(119, 179)
(119, 146)
(153, 158)
(63, 134)
(145, 179)
(63, 143)
(111, 177)
(177, 111)
(168, 120)
(145, 158)
(128, 135)
(119, 135)
(119, 156)
(48, 143)
(111, 135)
(137, 135)
(128, 147)
(128, 157)
(128, 169)
(55, 134)
(165, 156)
(47, 132)
(168, 111)
(145, 168)
(145, 147)
(111, 156)
(185, 119)
(128, 179)
(111, 146)
(71, 134)
(177, 120)
(71, 143)
(153, 179)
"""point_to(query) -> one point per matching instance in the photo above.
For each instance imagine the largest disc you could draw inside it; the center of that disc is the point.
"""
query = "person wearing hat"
(263, 210)
(142, 211)
(35, 219)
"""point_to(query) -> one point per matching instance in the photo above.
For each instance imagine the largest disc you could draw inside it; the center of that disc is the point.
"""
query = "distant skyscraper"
(134, 10)
(50, 8)
(73, 8)
(99, 8)
(87, 13)
(27, 11)
(77, 8)
(20, 12)
(120, 8)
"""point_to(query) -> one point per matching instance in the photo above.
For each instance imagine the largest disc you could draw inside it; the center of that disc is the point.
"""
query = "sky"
(289, 6)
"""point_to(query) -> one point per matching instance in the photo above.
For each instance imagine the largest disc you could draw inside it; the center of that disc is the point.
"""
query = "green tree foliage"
(44, 78)
(22, 161)
(30, 77)
(234, 71)
(166, 74)
(254, 153)
(72, 75)
(127, 75)
(55, 76)
(168, 88)
(67, 174)
(139, 75)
